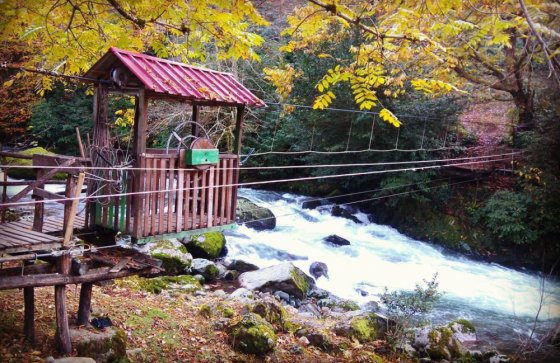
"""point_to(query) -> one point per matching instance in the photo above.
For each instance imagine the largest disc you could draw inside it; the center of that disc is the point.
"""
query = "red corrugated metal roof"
(168, 78)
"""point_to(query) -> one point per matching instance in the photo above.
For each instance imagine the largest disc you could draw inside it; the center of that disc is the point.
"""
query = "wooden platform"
(16, 237)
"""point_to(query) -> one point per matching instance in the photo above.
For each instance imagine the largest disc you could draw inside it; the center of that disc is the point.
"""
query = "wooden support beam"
(93, 275)
(195, 112)
(238, 129)
(69, 220)
(62, 329)
(84, 309)
(139, 147)
(29, 312)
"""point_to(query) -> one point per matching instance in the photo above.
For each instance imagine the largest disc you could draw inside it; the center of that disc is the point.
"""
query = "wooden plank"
(234, 191)
(170, 195)
(211, 173)
(161, 196)
(228, 202)
(179, 200)
(203, 192)
(223, 193)
(195, 191)
(9, 228)
(149, 197)
(216, 193)
(238, 129)
(24, 235)
(141, 201)
(74, 207)
(29, 312)
(39, 209)
(93, 275)
(188, 203)
(40, 181)
(129, 183)
(120, 265)
(48, 195)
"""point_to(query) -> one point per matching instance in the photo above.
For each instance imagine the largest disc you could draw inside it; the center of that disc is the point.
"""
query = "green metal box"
(201, 156)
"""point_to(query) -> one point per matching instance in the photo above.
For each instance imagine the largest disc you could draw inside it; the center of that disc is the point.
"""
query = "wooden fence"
(173, 197)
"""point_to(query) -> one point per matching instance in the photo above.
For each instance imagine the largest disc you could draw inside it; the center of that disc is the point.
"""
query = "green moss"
(468, 327)
(362, 329)
(170, 263)
(272, 312)
(252, 334)
(291, 327)
(208, 245)
(349, 305)
(28, 173)
(442, 345)
(300, 280)
(206, 311)
(211, 272)
(157, 284)
(112, 349)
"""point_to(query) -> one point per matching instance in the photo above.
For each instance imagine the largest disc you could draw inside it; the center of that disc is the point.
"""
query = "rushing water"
(501, 302)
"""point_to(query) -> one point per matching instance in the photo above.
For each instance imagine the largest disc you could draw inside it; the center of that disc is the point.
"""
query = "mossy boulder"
(254, 216)
(173, 255)
(364, 328)
(271, 311)
(207, 245)
(156, 285)
(216, 309)
(443, 345)
(252, 334)
(463, 330)
(106, 346)
(206, 268)
(283, 277)
(28, 173)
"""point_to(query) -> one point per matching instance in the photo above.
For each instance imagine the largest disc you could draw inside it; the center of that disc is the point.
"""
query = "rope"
(371, 134)
(266, 167)
(255, 183)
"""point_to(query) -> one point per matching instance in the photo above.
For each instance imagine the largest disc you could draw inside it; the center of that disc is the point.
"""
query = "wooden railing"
(172, 197)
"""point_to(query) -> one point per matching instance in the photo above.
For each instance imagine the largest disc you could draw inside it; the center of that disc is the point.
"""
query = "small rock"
(242, 266)
(231, 275)
(206, 268)
(363, 328)
(309, 309)
(312, 203)
(241, 294)
(221, 269)
(108, 345)
(220, 293)
(315, 337)
(318, 269)
(303, 340)
(371, 306)
(295, 349)
(336, 240)
(282, 296)
(200, 293)
(338, 211)
(200, 278)
(463, 330)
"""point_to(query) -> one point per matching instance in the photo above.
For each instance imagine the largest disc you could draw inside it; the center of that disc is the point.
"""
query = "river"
(501, 302)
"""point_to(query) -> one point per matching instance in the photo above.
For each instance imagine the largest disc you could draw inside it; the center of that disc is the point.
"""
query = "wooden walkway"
(17, 237)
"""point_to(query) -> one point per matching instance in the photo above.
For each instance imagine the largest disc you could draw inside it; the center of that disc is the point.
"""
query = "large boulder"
(252, 334)
(283, 277)
(273, 312)
(254, 216)
(173, 255)
(207, 245)
(336, 240)
(155, 285)
(442, 344)
(463, 330)
(338, 211)
(206, 268)
(108, 345)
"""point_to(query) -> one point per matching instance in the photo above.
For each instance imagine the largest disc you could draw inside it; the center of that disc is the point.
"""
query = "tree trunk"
(524, 102)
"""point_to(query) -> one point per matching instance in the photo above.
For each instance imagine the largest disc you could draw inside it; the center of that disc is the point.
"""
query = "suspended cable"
(265, 182)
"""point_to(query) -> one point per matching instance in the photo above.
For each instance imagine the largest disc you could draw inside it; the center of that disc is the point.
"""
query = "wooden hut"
(171, 191)
(160, 193)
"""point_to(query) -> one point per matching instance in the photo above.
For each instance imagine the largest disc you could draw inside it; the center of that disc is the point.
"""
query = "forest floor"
(160, 328)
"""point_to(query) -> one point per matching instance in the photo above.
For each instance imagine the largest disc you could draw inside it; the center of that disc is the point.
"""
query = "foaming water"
(379, 256)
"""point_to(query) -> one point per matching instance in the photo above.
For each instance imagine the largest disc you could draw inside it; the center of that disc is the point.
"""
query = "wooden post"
(69, 219)
(62, 330)
(238, 129)
(29, 312)
(194, 129)
(139, 145)
(39, 208)
(85, 303)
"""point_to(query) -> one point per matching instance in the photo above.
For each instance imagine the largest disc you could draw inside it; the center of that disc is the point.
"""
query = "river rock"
(282, 296)
(207, 245)
(284, 277)
(173, 255)
(252, 334)
(231, 275)
(108, 345)
(336, 240)
(242, 266)
(463, 330)
(443, 345)
(318, 269)
(362, 327)
(254, 216)
(273, 312)
(241, 294)
(206, 268)
(338, 211)
(312, 203)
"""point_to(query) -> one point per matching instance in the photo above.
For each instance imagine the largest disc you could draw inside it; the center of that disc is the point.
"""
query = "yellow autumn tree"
(66, 36)
(434, 46)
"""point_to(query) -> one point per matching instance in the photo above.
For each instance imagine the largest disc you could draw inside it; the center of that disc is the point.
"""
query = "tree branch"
(478, 80)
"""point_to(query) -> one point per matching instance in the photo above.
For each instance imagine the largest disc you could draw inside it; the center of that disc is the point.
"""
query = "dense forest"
(391, 108)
